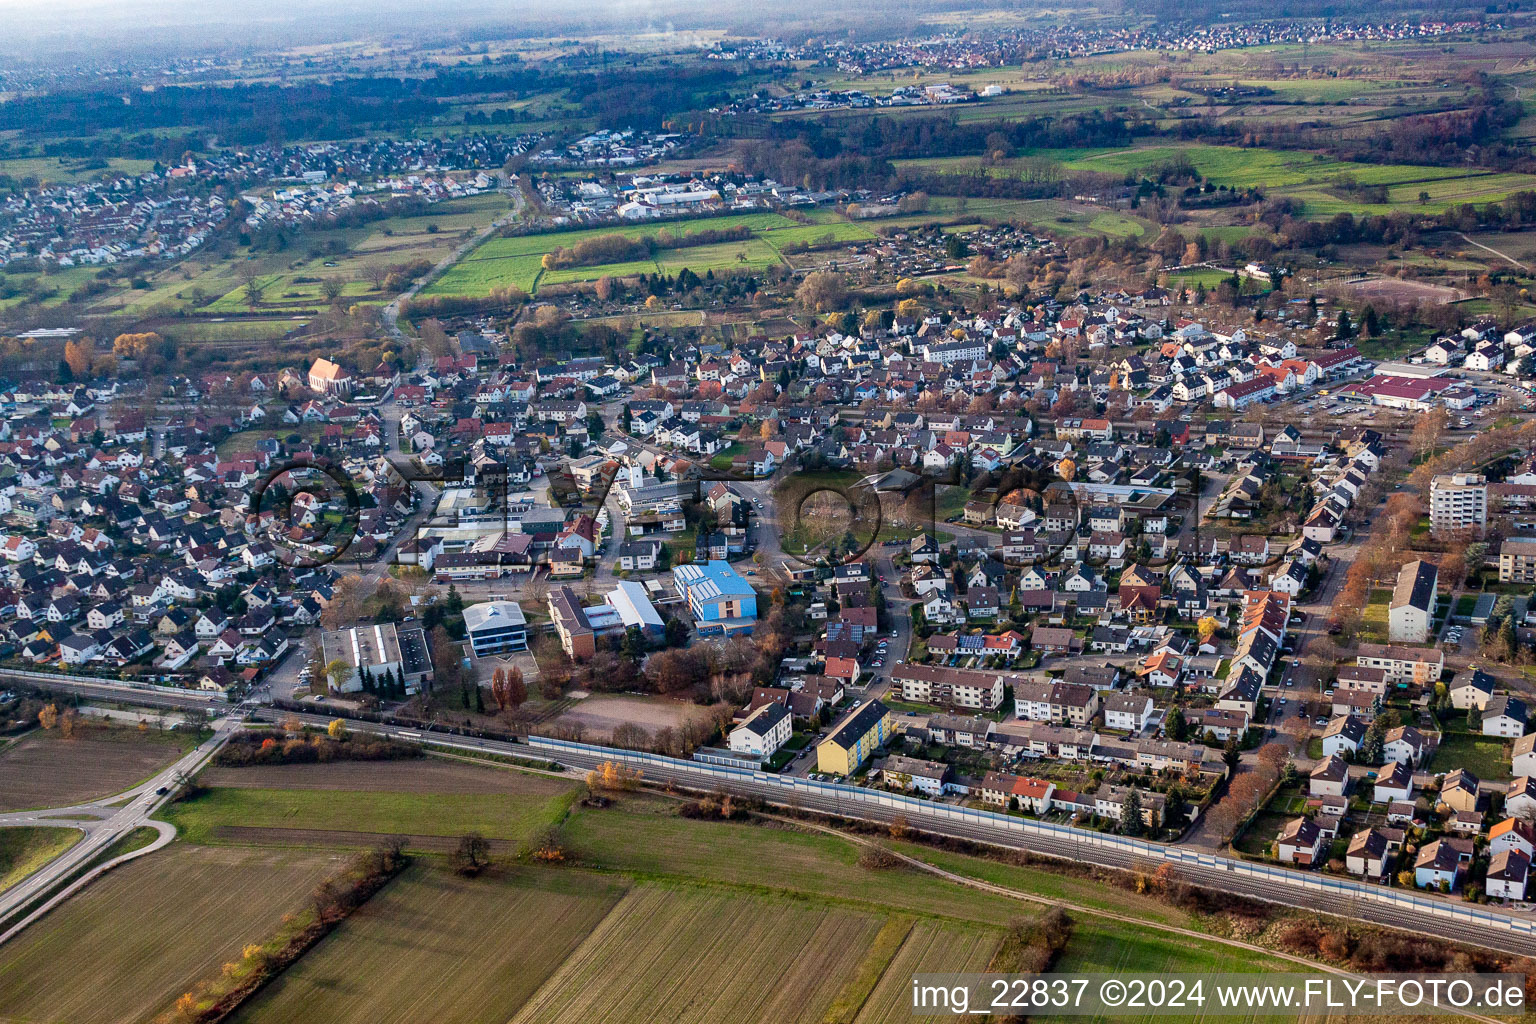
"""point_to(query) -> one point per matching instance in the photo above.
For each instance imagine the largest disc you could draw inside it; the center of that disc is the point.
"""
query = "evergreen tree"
(1372, 744)
(1130, 814)
(1345, 330)
(1371, 322)
(479, 700)
(1176, 727)
(632, 647)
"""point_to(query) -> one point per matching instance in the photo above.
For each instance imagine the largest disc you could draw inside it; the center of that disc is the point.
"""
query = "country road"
(1500, 255)
(390, 314)
(103, 824)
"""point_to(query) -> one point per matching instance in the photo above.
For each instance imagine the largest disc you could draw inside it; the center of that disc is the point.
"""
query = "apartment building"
(1517, 560)
(1413, 603)
(949, 687)
(1458, 502)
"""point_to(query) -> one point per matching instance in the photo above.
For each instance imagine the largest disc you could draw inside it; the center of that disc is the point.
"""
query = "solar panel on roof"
(973, 643)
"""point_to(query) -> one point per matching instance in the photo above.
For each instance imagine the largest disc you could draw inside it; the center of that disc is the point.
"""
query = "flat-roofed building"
(496, 627)
(381, 652)
(1458, 502)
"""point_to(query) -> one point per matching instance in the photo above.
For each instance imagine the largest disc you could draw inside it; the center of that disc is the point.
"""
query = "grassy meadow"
(517, 261)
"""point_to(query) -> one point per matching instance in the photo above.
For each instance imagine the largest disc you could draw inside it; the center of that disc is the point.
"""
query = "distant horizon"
(77, 28)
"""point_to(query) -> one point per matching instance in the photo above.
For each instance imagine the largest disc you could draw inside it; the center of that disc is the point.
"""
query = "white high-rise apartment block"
(1458, 501)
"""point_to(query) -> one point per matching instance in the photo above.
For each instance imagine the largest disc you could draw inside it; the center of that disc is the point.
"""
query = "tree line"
(616, 247)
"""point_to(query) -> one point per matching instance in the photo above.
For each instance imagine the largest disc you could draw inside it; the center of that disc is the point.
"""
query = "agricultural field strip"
(932, 947)
(1233, 166)
(132, 942)
(709, 956)
(404, 957)
(44, 770)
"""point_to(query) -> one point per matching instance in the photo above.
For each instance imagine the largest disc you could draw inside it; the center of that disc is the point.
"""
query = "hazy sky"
(86, 24)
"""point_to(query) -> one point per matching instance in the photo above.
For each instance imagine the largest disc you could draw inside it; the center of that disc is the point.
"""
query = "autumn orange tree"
(134, 346)
(79, 356)
(613, 776)
(508, 689)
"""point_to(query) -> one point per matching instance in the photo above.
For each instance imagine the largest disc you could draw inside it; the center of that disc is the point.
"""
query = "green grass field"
(1099, 949)
(23, 850)
(1066, 218)
(645, 839)
(135, 940)
(516, 261)
(1301, 175)
(1208, 276)
(209, 283)
(494, 815)
(52, 170)
(1487, 757)
(54, 287)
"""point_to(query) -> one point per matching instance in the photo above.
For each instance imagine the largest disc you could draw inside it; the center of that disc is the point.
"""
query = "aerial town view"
(728, 514)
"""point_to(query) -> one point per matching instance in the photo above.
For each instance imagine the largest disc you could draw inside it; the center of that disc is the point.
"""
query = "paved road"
(103, 826)
(391, 312)
(1289, 888)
